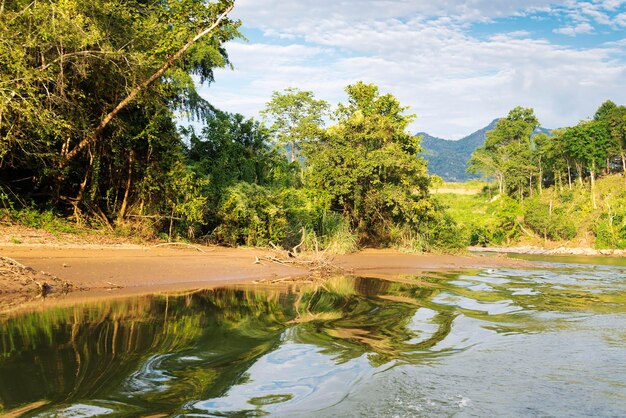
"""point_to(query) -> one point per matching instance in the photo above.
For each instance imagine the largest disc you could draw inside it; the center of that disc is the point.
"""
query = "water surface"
(499, 342)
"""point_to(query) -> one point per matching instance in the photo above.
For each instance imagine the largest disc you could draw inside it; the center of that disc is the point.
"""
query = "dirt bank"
(104, 271)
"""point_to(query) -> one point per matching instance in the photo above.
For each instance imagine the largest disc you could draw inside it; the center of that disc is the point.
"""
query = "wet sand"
(113, 271)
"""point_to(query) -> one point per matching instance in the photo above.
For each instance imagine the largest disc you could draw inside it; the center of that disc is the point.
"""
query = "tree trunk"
(579, 169)
(81, 191)
(593, 184)
(569, 175)
(131, 159)
(139, 88)
(500, 179)
(169, 238)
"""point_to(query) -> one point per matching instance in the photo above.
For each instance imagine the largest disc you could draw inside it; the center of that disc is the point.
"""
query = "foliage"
(551, 223)
(297, 118)
(65, 64)
(367, 164)
(556, 216)
(507, 152)
(254, 215)
(47, 220)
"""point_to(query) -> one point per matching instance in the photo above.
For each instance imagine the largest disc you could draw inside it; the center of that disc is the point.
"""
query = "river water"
(542, 341)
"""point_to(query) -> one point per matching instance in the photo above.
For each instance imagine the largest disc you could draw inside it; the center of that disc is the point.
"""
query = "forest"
(101, 124)
(549, 182)
(92, 93)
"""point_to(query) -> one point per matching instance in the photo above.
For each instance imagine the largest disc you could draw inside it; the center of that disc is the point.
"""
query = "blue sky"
(457, 64)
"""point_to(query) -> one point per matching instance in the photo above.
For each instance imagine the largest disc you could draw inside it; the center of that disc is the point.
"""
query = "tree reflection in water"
(238, 349)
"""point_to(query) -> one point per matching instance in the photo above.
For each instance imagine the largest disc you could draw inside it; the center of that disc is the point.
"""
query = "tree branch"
(138, 89)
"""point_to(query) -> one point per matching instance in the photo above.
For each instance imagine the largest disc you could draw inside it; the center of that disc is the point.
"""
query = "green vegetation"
(88, 97)
(548, 184)
(565, 216)
(88, 91)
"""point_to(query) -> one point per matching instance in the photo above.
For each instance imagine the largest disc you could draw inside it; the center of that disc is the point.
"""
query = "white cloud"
(599, 12)
(454, 82)
(575, 30)
(620, 20)
(303, 15)
(610, 4)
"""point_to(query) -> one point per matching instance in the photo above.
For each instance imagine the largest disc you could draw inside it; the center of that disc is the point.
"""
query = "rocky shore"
(551, 251)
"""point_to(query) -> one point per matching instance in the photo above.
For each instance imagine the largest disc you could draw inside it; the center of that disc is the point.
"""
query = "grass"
(600, 227)
(467, 210)
(47, 220)
(472, 184)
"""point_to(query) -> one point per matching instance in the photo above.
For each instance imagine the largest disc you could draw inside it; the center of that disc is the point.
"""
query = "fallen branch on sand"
(114, 286)
(317, 262)
(181, 243)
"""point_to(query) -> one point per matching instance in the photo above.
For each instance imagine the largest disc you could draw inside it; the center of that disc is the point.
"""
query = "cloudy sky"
(457, 64)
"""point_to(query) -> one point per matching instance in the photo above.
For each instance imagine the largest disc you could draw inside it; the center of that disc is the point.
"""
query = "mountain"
(448, 159)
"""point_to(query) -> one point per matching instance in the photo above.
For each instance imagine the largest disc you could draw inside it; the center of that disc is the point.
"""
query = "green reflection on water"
(156, 354)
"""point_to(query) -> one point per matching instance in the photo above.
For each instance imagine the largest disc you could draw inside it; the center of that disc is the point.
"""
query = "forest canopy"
(95, 100)
(90, 98)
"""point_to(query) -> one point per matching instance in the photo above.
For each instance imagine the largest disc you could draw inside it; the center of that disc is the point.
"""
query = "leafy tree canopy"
(368, 166)
(296, 118)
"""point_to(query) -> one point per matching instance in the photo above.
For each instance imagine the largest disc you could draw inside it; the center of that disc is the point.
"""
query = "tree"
(615, 118)
(541, 154)
(589, 143)
(507, 152)
(231, 149)
(90, 86)
(555, 161)
(296, 116)
(367, 163)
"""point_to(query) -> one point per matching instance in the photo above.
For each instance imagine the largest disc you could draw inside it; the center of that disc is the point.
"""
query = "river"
(543, 341)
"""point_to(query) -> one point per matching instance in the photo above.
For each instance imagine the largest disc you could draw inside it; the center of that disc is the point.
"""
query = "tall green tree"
(614, 117)
(507, 153)
(589, 143)
(368, 166)
(85, 84)
(296, 118)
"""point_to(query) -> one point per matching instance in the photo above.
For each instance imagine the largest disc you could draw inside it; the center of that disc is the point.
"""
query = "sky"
(457, 64)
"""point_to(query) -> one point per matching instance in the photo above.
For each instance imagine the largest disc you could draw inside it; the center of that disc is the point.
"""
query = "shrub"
(550, 224)
(254, 215)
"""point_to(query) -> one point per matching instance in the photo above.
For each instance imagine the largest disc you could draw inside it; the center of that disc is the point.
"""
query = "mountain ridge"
(448, 158)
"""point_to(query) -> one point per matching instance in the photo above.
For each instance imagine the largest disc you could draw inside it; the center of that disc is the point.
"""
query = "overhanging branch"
(141, 87)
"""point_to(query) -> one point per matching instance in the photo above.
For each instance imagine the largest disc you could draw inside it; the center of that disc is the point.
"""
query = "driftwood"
(181, 243)
(318, 263)
(114, 286)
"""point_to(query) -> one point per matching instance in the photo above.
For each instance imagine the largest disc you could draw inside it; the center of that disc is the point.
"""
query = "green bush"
(47, 220)
(550, 224)
(254, 215)
(333, 236)
(610, 231)
(249, 216)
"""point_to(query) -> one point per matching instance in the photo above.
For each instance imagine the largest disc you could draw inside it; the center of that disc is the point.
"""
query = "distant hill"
(448, 159)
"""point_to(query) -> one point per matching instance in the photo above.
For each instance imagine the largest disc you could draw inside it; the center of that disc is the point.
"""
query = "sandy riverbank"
(99, 271)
